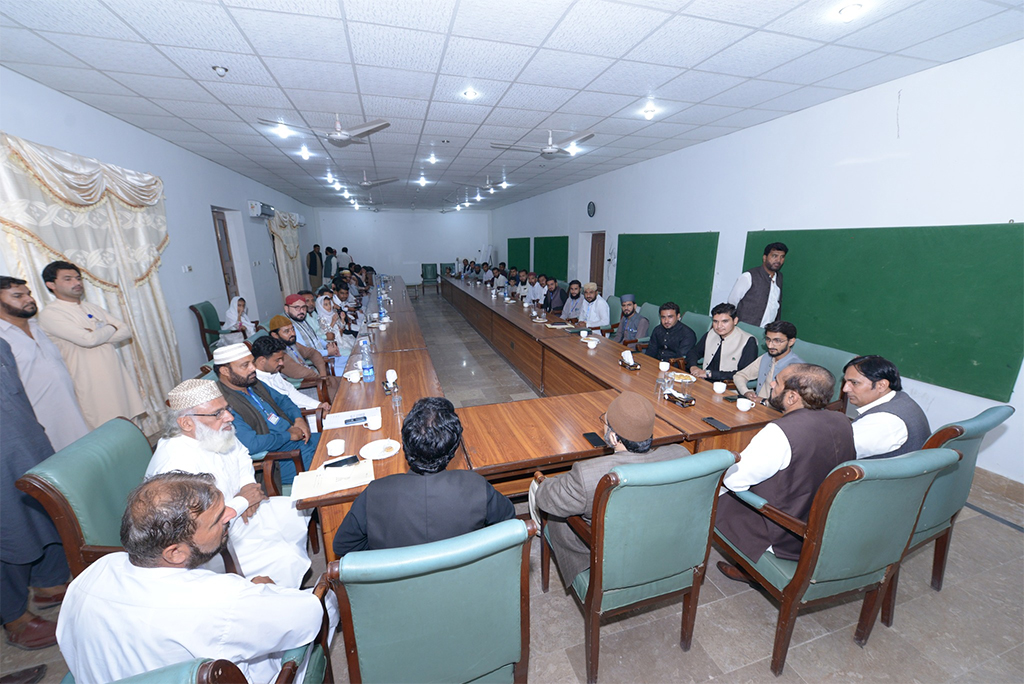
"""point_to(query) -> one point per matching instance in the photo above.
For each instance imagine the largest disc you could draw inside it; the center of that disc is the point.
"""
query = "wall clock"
(591, 209)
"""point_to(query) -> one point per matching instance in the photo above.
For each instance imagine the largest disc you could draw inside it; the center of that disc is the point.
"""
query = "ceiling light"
(330, 179)
(650, 110)
(337, 185)
(351, 201)
(572, 149)
(220, 71)
(466, 203)
(851, 12)
(503, 185)
(304, 153)
(490, 190)
(356, 205)
(282, 130)
(458, 207)
(470, 94)
(478, 197)
(422, 181)
(345, 194)
(432, 159)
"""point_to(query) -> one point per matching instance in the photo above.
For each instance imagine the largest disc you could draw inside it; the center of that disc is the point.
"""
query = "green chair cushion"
(180, 673)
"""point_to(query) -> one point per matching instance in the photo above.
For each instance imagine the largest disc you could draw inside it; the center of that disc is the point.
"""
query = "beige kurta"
(86, 335)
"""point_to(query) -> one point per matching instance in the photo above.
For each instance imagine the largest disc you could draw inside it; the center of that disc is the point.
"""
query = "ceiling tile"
(459, 113)
(198, 110)
(697, 86)
(160, 86)
(86, 17)
(251, 114)
(378, 107)
(395, 82)
(274, 34)
(523, 96)
(67, 78)
(450, 89)
(106, 54)
(703, 39)
(755, 14)
(757, 53)
(318, 8)
(751, 93)
(884, 69)
(389, 137)
(21, 45)
(425, 15)
(748, 117)
(215, 128)
(598, 104)
(182, 24)
(568, 122)
(448, 128)
(620, 127)
(663, 109)
(245, 69)
(598, 27)
(484, 58)
(185, 136)
(672, 144)
(807, 96)
(120, 104)
(166, 122)
(312, 75)
(522, 22)
(709, 132)
(563, 69)
(665, 129)
(983, 35)
(320, 101)
(633, 78)
(525, 118)
(398, 48)
(822, 63)
(819, 19)
(702, 114)
(919, 23)
(249, 95)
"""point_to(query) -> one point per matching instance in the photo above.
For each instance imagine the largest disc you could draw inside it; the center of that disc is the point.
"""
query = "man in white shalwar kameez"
(154, 606)
(268, 535)
(86, 335)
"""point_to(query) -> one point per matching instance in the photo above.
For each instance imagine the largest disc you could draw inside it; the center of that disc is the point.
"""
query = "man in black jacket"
(673, 338)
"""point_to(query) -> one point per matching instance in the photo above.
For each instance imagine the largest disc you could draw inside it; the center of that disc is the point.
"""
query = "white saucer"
(380, 449)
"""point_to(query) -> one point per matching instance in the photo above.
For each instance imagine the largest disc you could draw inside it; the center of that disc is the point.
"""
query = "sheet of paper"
(558, 325)
(334, 421)
(534, 512)
(326, 480)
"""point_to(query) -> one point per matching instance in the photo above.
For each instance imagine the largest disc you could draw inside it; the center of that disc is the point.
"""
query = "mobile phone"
(355, 421)
(351, 460)
(595, 440)
(732, 397)
(717, 424)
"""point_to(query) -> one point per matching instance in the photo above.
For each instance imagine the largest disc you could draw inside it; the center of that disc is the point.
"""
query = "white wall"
(192, 185)
(941, 147)
(397, 242)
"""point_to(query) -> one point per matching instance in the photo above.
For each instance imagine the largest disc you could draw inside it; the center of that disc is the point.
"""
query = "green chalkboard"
(945, 304)
(519, 253)
(551, 256)
(667, 267)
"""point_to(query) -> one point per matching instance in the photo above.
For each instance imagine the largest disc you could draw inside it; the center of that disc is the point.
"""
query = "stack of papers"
(326, 480)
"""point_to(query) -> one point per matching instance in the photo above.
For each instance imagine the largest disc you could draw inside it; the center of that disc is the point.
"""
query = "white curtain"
(108, 221)
(285, 229)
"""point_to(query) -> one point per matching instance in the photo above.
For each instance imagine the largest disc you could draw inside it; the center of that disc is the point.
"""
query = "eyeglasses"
(218, 414)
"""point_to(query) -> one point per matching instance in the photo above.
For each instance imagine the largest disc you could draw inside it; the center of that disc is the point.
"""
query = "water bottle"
(367, 361)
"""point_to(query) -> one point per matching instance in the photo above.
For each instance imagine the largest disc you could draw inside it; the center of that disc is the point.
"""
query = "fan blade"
(368, 128)
(375, 183)
(516, 148)
(582, 137)
(268, 122)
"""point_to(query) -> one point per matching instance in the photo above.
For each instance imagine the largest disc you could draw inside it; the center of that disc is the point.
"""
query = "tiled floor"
(971, 631)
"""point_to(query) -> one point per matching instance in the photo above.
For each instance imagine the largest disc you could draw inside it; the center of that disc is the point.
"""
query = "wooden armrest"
(267, 465)
(795, 525)
(640, 346)
(321, 387)
(319, 413)
(581, 527)
(678, 362)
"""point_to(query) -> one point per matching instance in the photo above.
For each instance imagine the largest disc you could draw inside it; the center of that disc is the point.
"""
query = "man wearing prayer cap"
(265, 419)
(300, 362)
(632, 326)
(629, 429)
(267, 535)
(594, 311)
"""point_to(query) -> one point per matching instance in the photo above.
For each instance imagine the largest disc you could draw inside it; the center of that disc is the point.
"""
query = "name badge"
(272, 418)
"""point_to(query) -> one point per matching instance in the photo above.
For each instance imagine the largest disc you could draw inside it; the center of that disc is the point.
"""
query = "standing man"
(554, 298)
(779, 338)
(85, 334)
(784, 463)
(725, 348)
(46, 379)
(31, 554)
(629, 429)
(315, 267)
(330, 263)
(757, 294)
(344, 259)
(632, 326)
(574, 302)
(671, 339)
(594, 313)
(888, 422)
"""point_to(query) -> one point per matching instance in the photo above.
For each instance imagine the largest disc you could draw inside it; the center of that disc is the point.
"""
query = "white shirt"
(536, 291)
(594, 314)
(768, 453)
(572, 307)
(280, 383)
(119, 620)
(880, 432)
(740, 289)
(523, 290)
(488, 276)
(500, 281)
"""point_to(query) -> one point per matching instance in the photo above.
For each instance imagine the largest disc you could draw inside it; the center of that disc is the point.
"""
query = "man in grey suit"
(629, 429)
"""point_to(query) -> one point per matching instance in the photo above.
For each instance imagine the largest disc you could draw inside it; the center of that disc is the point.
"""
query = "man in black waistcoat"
(784, 463)
(428, 503)
(888, 422)
(757, 294)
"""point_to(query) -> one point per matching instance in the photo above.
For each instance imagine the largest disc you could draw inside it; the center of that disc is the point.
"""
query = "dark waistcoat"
(751, 308)
(907, 410)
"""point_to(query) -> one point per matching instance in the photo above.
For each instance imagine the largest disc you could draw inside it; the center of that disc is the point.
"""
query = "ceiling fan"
(340, 137)
(367, 183)
(552, 149)
(488, 186)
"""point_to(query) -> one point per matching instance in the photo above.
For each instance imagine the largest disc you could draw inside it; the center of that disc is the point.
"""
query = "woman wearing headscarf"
(237, 320)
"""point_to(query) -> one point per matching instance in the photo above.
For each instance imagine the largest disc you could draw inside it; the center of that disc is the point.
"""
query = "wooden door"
(227, 265)
(597, 260)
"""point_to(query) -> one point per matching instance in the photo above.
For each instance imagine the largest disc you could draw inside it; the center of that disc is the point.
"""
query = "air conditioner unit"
(299, 219)
(259, 209)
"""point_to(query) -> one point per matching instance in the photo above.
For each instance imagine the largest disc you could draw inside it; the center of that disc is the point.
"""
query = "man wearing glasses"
(297, 309)
(779, 338)
(267, 535)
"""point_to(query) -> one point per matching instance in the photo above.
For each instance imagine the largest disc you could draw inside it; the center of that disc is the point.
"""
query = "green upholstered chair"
(754, 330)
(428, 274)
(455, 610)
(649, 540)
(85, 485)
(698, 323)
(614, 311)
(209, 326)
(828, 357)
(445, 268)
(858, 530)
(650, 312)
(948, 494)
(198, 671)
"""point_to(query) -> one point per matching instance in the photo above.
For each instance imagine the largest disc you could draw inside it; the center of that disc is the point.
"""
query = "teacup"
(592, 343)
(719, 387)
(383, 327)
(584, 333)
(336, 447)
(373, 422)
(744, 404)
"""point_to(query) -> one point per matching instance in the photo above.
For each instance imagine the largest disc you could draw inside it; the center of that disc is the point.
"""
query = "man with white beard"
(268, 535)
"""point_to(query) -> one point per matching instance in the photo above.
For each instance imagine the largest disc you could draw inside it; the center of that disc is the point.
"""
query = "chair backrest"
(445, 267)
(862, 518)
(650, 312)
(828, 357)
(614, 310)
(428, 271)
(209, 324)
(952, 486)
(698, 323)
(262, 332)
(756, 331)
(85, 485)
(448, 611)
(652, 524)
(198, 671)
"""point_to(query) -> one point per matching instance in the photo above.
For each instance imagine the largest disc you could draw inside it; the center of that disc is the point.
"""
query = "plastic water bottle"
(367, 361)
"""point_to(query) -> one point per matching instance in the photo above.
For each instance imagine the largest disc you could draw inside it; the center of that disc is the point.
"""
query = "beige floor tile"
(886, 657)
(978, 545)
(759, 673)
(998, 505)
(551, 668)
(1007, 668)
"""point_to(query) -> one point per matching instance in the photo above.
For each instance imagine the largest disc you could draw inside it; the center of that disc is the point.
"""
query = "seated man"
(785, 463)
(513, 278)
(268, 358)
(488, 274)
(301, 362)
(267, 535)
(574, 301)
(888, 422)
(295, 307)
(134, 612)
(629, 429)
(725, 348)
(523, 288)
(594, 311)
(497, 279)
(265, 420)
(779, 338)
(554, 298)
(428, 503)
(632, 326)
(535, 292)
(465, 266)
